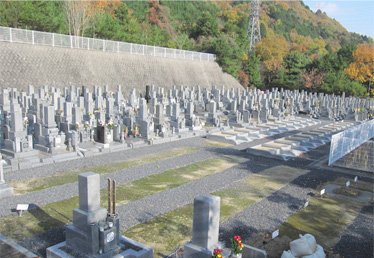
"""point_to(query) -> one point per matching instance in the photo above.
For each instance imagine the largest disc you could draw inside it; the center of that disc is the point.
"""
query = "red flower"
(238, 238)
(217, 251)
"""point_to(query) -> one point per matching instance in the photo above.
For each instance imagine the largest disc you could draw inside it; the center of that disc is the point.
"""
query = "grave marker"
(22, 207)
(323, 191)
(275, 234)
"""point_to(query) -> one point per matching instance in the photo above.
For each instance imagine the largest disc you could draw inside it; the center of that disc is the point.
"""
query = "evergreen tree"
(295, 66)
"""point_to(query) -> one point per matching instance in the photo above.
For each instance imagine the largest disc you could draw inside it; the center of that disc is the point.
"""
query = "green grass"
(36, 184)
(171, 230)
(59, 213)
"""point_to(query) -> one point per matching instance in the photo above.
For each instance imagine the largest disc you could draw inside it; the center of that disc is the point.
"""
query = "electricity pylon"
(253, 30)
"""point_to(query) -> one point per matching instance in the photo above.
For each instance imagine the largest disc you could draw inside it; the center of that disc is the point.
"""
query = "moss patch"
(325, 218)
(359, 185)
(141, 188)
(36, 184)
(165, 232)
(216, 144)
(346, 191)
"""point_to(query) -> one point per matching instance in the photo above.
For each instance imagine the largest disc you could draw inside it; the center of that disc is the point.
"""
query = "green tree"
(295, 66)
(263, 30)
(252, 68)
(206, 25)
(228, 54)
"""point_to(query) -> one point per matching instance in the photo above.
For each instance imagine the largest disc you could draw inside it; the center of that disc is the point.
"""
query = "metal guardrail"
(69, 41)
(344, 142)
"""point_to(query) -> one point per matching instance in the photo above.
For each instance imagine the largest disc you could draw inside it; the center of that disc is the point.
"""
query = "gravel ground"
(358, 239)
(265, 215)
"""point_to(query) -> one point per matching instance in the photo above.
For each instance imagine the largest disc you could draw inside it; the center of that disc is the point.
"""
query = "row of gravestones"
(95, 231)
(53, 119)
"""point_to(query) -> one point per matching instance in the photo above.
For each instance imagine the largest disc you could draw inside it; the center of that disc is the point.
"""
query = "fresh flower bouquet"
(136, 131)
(126, 132)
(237, 245)
(76, 126)
(110, 124)
(217, 253)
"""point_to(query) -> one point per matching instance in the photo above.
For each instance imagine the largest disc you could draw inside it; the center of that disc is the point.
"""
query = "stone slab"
(136, 250)
(9, 248)
(253, 252)
(5, 191)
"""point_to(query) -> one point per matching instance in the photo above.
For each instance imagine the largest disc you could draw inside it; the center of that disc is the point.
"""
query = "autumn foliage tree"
(271, 52)
(313, 79)
(79, 14)
(362, 69)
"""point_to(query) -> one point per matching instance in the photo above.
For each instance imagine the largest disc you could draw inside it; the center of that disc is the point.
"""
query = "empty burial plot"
(325, 218)
(172, 230)
(36, 184)
(57, 214)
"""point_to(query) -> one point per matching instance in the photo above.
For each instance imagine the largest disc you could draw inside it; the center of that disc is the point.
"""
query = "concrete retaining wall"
(23, 64)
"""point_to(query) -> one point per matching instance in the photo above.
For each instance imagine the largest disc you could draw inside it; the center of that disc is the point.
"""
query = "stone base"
(250, 251)
(5, 190)
(194, 251)
(20, 154)
(132, 249)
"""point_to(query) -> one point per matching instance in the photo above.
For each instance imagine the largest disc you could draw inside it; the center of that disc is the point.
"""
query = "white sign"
(348, 183)
(356, 178)
(306, 204)
(275, 234)
(22, 207)
(323, 191)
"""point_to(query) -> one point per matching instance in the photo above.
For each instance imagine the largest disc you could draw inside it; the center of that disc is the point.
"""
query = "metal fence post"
(130, 48)
(71, 41)
(10, 35)
(117, 47)
(88, 44)
(32, 37)
(103, 45)
(53, 39)
(154, 51)
(143, 50)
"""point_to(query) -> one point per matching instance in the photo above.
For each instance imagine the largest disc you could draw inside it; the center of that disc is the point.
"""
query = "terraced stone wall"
(22, 65)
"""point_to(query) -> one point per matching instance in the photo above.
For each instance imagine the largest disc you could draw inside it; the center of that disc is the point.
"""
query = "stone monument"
(95, 231)
(205, 227)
